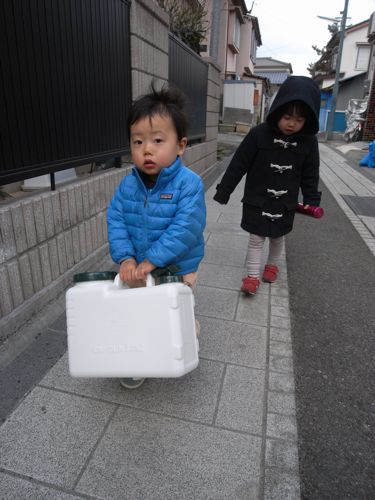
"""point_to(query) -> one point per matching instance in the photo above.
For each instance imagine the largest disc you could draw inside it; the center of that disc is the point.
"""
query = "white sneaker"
(131, 383)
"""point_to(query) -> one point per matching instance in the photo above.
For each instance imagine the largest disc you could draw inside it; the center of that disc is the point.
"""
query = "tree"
(187, 22)
(324, 64)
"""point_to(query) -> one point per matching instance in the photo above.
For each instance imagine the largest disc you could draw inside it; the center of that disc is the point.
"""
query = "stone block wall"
(149, 41)
(47, 237)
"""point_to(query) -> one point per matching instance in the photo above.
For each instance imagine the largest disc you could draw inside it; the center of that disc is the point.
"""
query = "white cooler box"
(140, 332)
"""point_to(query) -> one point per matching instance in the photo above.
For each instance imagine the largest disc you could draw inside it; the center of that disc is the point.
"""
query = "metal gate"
(65, 86)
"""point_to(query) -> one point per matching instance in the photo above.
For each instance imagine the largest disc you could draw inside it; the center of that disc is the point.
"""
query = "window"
(363, 54)
(253, 47)
(234, 37)
(236, 32)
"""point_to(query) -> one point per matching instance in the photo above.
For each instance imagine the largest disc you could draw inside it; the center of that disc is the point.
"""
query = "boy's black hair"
(298, 108)
(169, 101)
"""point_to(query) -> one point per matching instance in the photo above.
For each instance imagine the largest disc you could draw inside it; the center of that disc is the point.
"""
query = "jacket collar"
(165, 175)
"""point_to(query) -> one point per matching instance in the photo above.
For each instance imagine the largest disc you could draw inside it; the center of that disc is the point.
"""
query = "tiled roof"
(269, 61)
(275, 77)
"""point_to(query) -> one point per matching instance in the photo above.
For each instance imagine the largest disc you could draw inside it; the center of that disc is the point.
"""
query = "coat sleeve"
(310, 177)
(120, 245)
(237, 168)
(186, 228)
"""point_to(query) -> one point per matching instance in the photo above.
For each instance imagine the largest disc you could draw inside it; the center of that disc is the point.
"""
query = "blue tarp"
(369, 159)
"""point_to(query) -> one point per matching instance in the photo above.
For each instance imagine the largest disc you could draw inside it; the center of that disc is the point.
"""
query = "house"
(232, 39)
(353, 75)
(276, 71)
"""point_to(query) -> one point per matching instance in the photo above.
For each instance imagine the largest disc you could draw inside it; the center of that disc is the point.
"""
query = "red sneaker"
(270, 273)
(250, 285)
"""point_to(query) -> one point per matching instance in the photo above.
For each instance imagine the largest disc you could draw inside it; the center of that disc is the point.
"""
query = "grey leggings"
(255, 249)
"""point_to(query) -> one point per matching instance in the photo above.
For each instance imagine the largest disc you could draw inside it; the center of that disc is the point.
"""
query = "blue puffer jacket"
(164, 224)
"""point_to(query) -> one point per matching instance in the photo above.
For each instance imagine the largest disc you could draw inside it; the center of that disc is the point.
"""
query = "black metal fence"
(65, 84)
(190, 73)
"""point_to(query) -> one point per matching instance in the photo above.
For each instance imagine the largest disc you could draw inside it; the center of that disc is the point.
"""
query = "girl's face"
(290, 124)
(154, 144)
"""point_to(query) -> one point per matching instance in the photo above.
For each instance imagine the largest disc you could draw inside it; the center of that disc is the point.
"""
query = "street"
(331, 277)
(282, 403)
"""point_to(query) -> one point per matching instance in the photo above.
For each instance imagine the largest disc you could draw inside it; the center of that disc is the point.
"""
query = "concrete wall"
(238, 101)
(350, 50)
(352, 89)
(48, 236)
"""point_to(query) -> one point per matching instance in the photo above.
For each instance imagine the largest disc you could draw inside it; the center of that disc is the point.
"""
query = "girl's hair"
(169, 101)
(298, 108)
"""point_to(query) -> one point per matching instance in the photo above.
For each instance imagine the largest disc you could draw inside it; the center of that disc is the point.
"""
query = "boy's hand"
(143, 269)
(127, 270)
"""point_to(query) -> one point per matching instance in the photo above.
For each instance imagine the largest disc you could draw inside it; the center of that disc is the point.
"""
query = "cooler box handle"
(149, 281)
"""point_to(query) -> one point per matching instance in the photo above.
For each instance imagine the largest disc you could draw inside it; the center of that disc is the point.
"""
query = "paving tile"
(225, 256)
(150, 456)
(279, 322)
(282, 454)
(212, 216)
(279, 290)
(242, 400)
(281, 348)
(280, 334)
(215, 302)
(281, 426)
(279, 301)
(281, 485)
(281, 382)
(253, 309)
(50, 435)
(281, 403)
(218, 240)
(232, 217)
(280, 311)
(193, 396)
(221, 276)
(281, 364)
(16, 488)
(225, 228)
(233, 342)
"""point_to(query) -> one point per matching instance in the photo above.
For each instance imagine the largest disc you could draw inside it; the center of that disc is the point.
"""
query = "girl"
(278, 157)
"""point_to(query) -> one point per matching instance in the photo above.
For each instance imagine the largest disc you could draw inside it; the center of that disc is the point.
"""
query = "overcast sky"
(289, 28)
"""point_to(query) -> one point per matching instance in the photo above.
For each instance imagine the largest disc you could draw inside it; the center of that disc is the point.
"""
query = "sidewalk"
(225, 431)
(353, 188)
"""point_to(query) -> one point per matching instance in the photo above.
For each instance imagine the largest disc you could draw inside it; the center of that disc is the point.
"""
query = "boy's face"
(291, 124)
(154, 144)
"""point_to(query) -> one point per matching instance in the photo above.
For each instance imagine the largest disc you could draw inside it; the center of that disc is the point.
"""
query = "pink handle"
(316, 212)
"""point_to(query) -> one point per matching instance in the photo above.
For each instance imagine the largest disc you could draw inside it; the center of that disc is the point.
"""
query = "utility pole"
(335, 91)
(215, 30)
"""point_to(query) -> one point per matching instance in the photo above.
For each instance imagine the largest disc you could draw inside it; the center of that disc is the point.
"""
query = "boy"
(157, 214)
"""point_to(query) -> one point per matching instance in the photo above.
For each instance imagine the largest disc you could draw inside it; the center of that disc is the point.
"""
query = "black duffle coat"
(276, 167)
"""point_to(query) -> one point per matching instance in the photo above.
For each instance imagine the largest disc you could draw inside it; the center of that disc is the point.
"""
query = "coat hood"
(298, 88)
